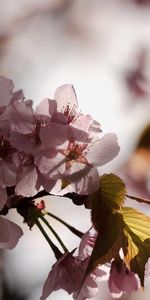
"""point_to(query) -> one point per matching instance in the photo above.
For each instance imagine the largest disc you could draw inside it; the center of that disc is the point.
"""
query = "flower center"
(75, 151)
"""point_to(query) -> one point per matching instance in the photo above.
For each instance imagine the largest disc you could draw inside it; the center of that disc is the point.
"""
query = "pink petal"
(83, 122)
(77, 170)
(67, 274)
(54, 135)
(115, 292)
(52, 186)
(102, 273)
(78, 134)
(84, 181)
(7, 173)
(90, 183)
(121, 280)
(6, 87)
(10, 234)
(103, 150)
(22, 142)
(95, 128)
(87, 243)
(27, 182)
(21, 116)
(128, 281)
(89, 289)
(60, 118)
(55, 278)
(65, 95)
(50, 163)
(46, 107)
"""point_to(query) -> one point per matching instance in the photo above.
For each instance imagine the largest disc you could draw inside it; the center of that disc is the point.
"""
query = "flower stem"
(55, 233)
(55, 249)
(71, 228)
(138, 199)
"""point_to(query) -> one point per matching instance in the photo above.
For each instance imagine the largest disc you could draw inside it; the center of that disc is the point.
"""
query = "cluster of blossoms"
(54, 148)
(52, 144)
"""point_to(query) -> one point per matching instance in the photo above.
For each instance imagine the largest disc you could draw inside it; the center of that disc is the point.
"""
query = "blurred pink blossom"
(69, 271)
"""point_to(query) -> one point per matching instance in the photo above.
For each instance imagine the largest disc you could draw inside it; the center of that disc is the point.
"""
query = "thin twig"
(55, 233)
(71, 228)
(138, 199)
(55, 249)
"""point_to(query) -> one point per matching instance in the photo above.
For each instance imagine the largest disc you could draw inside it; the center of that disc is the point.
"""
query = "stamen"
(70, 112)
(74, 151)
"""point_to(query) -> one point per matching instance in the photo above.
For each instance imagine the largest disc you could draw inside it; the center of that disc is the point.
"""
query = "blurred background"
(102, 47)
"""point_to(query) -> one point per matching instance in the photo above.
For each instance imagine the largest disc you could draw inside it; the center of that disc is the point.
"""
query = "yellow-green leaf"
(113, 190)
(107, 199)
(137, 248)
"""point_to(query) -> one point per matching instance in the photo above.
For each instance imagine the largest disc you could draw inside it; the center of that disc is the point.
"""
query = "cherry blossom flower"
(121, 280)
(67, 105)
(10, 234)
(69, 271)
(76, 160)
(33, 131)
(64, 108)
(25, 126)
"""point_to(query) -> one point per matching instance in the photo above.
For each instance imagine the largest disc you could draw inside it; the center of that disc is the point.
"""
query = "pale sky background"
(91, 44)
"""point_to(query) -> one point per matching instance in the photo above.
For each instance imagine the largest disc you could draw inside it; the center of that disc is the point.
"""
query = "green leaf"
(108, 242)
(112, 190)
(118, 228)
(109, 198)
(137, 248)
(107, 221)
